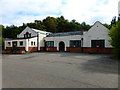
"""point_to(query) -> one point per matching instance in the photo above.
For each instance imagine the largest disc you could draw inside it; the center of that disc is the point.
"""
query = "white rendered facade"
(38, 39)
(35, 40)
(97, 32)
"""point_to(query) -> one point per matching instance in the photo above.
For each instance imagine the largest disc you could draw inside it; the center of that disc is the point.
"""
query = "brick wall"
(97, 50)
(32, 49)
(72, 49)
(20, 48)
(51, 48)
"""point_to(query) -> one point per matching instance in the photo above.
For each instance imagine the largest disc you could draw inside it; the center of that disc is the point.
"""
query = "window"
(34, 43)
(49, 43)
(27, 35)
(31, 43)
(97, 43)
(75, 43)
(21, 43)
(9, 43)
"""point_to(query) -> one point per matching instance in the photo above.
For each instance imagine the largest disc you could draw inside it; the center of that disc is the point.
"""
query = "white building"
(29, 40)
(94, 40)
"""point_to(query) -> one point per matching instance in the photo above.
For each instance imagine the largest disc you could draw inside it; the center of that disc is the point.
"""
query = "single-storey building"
(95, 40)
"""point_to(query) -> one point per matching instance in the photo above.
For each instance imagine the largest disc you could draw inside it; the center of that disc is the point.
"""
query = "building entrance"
(61, 46)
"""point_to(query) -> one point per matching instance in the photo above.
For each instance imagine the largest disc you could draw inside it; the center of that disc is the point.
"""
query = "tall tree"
(51, 24)
(115, 38)
(62, 24)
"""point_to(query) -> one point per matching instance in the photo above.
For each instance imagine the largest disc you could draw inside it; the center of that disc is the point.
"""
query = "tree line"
(50, 24)
(60, 24)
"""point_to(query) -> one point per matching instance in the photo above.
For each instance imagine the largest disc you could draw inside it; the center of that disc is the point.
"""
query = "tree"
(107, 26)
(114, 33)
(51, 24)
(113, 22)
(85, 27)
(1, 38)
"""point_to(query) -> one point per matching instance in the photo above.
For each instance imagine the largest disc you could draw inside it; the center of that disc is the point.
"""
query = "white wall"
(32, 40)
(97, 32)
(41, 39)
(27, 29)
(18, 42)
(27, 42)
(6, 44)
(38, 41)
(65, 39)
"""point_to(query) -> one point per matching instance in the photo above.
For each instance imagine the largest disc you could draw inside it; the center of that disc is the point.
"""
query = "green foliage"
(12, 31)
(115, 38)
(1, 43)
(107, 26)
(50, 24)
(1, 38)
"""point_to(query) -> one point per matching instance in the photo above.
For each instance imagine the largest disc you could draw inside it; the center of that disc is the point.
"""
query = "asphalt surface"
(59, 70)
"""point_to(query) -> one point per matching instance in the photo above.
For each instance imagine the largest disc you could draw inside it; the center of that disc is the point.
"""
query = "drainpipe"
(44, 45)
(82, 44)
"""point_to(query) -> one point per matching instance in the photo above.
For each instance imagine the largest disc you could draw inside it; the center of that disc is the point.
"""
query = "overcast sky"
(17, 12)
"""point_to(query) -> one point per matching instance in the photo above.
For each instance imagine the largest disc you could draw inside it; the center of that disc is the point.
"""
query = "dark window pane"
(9, 43)
(21, 43)
(49, 43)
(75, 43)
(27, 34)
(31, 43)
(97, 43)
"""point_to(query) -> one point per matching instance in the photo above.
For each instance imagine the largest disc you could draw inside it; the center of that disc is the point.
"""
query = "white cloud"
(23, 11)
(84, 10)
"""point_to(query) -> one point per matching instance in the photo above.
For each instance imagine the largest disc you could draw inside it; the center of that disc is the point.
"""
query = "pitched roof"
(40, 31)
(66, 34)
(98, 22)
(19, 38)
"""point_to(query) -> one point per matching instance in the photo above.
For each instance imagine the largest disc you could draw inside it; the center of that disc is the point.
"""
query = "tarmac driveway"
(59, 70)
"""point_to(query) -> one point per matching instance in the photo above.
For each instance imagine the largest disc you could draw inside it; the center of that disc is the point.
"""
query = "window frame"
(27, 35)
(34, 43)
(20, 43)
(9, 43)
(49, 43)
(31, 43)
(97, 43)
(75, 43)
